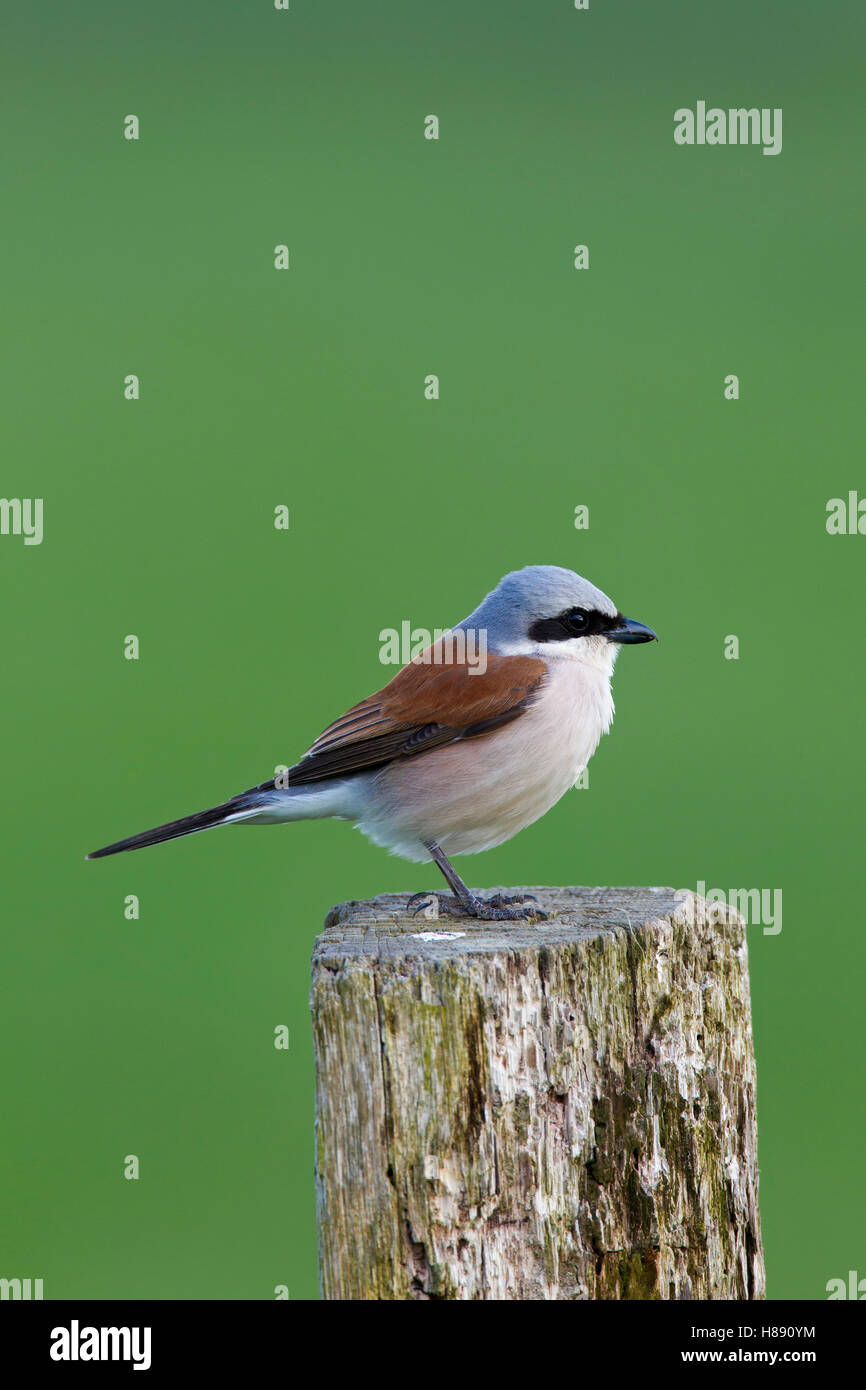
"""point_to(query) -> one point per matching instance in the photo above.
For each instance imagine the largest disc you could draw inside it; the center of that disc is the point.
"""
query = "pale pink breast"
(473, 795)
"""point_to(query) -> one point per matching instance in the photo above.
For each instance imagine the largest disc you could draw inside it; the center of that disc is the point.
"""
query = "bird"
(455, 755)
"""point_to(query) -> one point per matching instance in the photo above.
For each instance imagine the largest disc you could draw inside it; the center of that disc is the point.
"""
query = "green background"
(602, 387)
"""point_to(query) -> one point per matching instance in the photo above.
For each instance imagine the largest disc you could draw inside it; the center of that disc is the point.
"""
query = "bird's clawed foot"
(499, 908)
(504, 908)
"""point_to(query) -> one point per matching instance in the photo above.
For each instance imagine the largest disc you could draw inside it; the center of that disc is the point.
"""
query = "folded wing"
(427, 704)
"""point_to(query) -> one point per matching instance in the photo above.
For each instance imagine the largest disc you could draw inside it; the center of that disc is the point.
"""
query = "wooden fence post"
(551, 1111)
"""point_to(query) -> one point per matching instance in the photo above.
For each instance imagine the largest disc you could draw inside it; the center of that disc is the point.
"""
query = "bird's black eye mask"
(574, 622)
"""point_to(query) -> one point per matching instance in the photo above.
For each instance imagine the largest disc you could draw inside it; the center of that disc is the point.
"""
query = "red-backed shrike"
(449, 758)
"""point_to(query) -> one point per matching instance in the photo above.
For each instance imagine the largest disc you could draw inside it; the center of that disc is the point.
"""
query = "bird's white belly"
(470, 796)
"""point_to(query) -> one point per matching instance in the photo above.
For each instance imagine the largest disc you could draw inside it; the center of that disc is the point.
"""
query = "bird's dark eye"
(573, 622)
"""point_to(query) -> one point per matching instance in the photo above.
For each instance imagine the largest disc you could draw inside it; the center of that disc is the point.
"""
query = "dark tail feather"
(239, 808)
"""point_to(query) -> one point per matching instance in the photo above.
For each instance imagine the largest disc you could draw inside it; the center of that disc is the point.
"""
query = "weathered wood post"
(552, 1111)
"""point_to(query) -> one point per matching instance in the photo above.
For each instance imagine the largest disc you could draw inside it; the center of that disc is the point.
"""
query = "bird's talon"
(492, 910)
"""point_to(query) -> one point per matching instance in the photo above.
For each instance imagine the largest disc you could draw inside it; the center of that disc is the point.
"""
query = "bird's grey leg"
(465, 905)
(453, 879)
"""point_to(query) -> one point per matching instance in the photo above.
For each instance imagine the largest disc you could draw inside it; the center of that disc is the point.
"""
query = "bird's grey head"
(543, 610)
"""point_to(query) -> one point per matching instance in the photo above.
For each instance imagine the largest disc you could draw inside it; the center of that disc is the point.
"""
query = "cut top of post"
(383, 928)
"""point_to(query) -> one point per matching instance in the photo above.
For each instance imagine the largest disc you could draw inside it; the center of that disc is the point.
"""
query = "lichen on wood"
(563, 1110)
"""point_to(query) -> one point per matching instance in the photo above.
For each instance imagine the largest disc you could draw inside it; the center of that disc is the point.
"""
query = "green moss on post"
(564, 1110)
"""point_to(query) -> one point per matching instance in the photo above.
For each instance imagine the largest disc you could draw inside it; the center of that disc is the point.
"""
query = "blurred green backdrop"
(601, 387)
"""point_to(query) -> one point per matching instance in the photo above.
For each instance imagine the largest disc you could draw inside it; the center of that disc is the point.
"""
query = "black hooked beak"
(628, 630)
